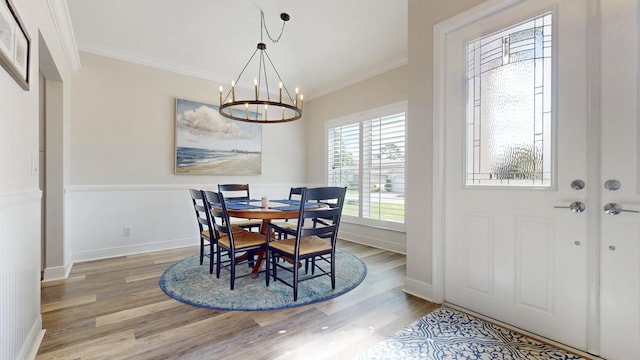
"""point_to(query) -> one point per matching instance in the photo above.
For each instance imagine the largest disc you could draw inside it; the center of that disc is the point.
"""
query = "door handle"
(615, 209)
(576, 207)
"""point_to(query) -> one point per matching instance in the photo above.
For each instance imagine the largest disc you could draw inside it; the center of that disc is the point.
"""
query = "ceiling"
(327, 44)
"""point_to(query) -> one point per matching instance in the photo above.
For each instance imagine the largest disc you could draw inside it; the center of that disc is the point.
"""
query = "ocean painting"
(208, 143)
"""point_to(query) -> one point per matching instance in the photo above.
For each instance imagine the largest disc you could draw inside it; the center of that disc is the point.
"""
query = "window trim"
(360, 117)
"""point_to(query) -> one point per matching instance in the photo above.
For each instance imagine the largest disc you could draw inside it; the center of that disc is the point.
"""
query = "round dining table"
(275, 210)
(265, 214)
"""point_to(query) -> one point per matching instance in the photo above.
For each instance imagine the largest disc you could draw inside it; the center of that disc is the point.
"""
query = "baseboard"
(418, 288)
(132, 249)
(378, 243)
(56, 273)
(32, 343)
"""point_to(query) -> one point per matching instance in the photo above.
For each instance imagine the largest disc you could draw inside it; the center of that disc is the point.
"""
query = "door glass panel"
(508, 126)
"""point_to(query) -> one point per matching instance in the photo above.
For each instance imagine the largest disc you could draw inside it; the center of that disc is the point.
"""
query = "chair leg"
(267, 267)
(295, 279)
(218, 262)
(212, 256)
(250, 256)
(275, 267)
(233, 269)
(201, 250)
(333, 272)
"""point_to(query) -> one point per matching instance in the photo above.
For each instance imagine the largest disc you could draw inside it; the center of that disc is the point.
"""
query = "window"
(367, 154)
(509, 106)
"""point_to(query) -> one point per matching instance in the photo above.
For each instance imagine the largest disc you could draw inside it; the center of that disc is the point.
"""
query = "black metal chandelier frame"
(249, 110)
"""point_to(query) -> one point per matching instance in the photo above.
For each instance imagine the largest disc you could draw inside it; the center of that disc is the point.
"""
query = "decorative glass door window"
(508, 121)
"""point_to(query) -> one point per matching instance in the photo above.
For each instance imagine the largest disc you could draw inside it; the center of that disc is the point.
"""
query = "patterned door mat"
(446, 333)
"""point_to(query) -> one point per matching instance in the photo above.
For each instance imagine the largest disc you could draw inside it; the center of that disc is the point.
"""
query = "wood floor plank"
(114, 309)
(135, 312)
(112, 346)
(68, 302)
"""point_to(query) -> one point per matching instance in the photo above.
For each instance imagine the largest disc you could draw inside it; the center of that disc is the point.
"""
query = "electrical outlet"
(126, 231)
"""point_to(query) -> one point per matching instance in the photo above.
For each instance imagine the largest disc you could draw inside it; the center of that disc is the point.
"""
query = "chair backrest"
(217, 213)
(202, 215)
(235, 191)
(325, 219)
(295, 193)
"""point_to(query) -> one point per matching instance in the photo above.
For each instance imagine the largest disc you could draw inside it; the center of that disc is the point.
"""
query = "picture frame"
(15, 44)
(207, 143)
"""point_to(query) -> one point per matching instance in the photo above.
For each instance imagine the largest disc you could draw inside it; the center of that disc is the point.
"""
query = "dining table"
(281, 209)
(254, 209)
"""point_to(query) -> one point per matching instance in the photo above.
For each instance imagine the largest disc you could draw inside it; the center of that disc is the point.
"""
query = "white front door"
(510, 254)
(525, 236)
(620, 241)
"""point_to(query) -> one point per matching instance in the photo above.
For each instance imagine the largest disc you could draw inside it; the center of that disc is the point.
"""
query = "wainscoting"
(160, 217)
(21, 323)
(157, 218)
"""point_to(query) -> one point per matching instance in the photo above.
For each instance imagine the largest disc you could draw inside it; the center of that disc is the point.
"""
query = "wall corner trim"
(60, 14)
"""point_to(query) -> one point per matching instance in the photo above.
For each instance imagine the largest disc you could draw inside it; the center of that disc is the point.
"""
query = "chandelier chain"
(264, 26)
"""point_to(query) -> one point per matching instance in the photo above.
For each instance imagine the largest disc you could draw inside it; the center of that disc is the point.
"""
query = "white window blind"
(344, 162)
(368, 157)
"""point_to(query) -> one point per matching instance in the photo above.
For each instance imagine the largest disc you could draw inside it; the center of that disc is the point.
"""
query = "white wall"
(20, 209)
(122, 159)
(20, 321)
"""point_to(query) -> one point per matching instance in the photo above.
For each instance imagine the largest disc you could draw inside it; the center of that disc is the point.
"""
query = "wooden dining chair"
(230, 240)
(239, 192)
(314, 240)
(204, 228)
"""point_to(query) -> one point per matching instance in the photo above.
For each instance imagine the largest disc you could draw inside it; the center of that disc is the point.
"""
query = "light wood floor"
(114, 309)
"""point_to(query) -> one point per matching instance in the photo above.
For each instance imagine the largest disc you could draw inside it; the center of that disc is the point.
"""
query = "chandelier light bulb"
(233, 90)
(255, 86)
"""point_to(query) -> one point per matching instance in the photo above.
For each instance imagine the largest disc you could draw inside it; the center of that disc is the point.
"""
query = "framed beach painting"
(209, 144)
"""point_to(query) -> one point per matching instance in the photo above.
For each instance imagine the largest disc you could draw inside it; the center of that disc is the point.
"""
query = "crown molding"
(149, 62)
(399, 62)
(60, 14)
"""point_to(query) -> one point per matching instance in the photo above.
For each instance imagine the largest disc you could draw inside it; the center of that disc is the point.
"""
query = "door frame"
(593, 152)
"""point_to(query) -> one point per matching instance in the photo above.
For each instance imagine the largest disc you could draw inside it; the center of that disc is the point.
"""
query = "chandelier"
(263, 108)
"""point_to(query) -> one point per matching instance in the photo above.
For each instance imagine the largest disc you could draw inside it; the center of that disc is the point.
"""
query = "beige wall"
(378, 91)
(19, 117)
(124, 123)
(414, 83)
(122, 157)
(423, 15)
(384, 89)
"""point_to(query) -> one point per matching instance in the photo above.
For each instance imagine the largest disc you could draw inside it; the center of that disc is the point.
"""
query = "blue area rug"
(189, 282)
(446, 333)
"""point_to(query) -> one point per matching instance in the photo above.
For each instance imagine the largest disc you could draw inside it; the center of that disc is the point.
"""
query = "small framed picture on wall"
(15, 44)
